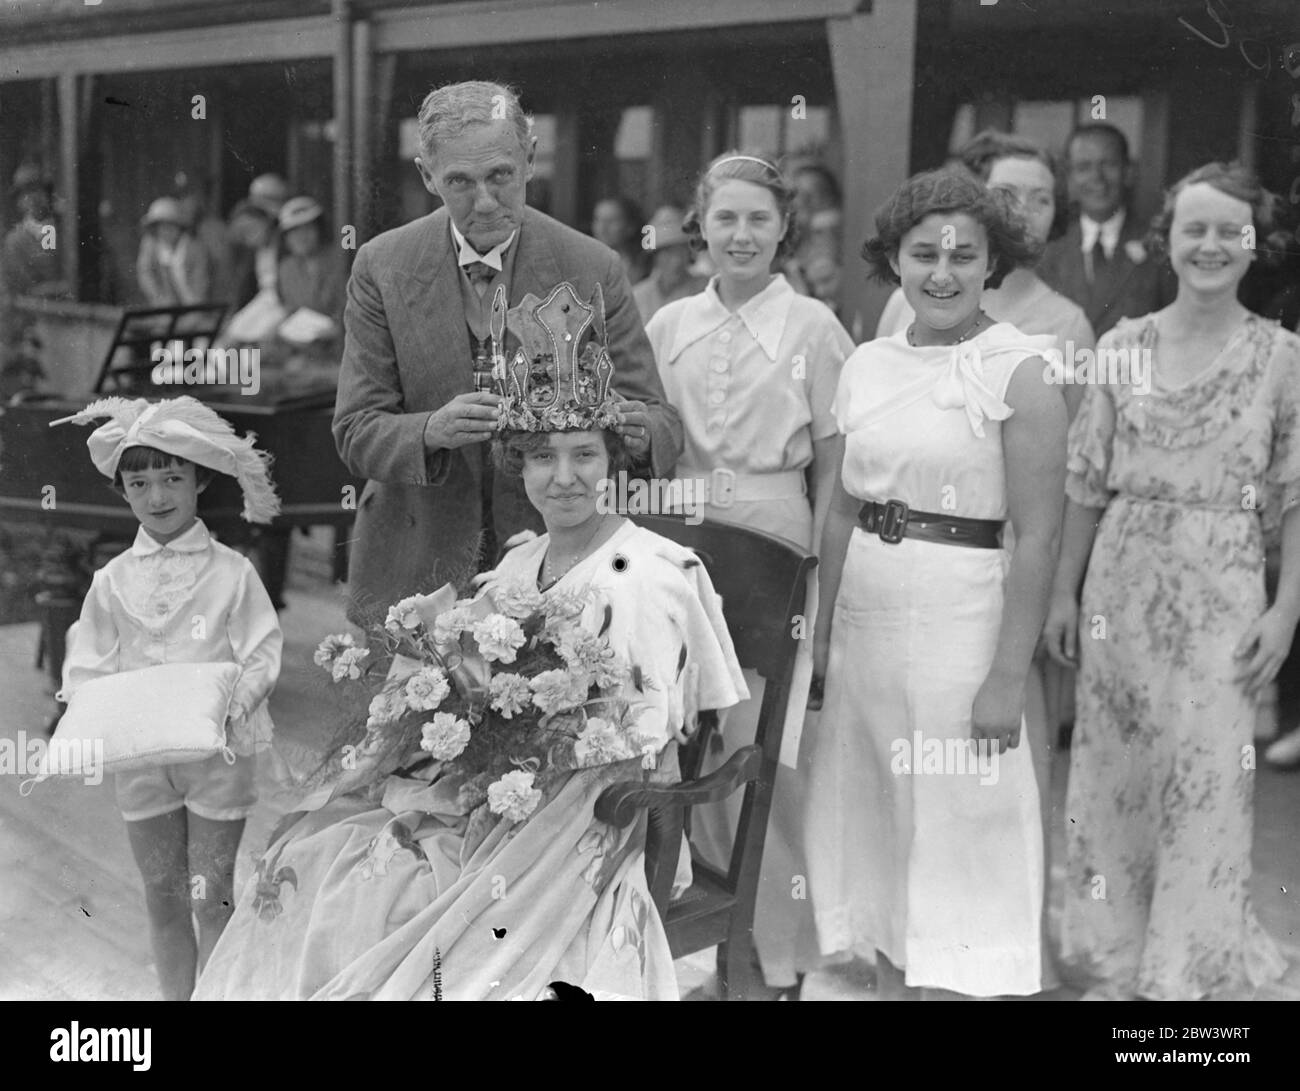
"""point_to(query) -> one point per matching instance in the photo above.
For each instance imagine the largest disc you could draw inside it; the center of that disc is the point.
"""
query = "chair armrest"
(619, 803)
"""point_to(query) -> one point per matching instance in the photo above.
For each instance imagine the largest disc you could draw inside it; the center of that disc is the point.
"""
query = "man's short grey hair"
(448, 111)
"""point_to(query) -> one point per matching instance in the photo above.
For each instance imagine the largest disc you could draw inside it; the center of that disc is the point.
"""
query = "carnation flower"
(348, 664)
(498, 638)
(403, 617)
(559, 690)
(516, 598)
(445, 736)
(330, 648)
(560, 606)
(513, 797)
(426, 688)
(447, 627)
(510, 694)
(592, 655)
(386, 707)
(599, 742)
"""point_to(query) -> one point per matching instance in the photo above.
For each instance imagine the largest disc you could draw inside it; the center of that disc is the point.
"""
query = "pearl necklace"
(582, 552)
(969, 333)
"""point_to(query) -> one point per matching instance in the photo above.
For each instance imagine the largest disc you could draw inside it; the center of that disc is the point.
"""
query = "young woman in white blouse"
(752, 368)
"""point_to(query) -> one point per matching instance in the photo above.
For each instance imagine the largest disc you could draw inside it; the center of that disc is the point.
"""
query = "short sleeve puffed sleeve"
(841, 407)
(1089, 449)
(1284, 454)
(834, 347)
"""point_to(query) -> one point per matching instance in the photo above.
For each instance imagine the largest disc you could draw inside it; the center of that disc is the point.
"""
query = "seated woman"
(172, 268)
(436, 888)
(312, 273)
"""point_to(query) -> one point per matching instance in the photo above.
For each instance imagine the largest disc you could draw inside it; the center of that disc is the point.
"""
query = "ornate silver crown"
(557, 375)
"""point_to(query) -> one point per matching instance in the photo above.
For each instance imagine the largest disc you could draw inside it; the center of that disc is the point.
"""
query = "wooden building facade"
(630, 96)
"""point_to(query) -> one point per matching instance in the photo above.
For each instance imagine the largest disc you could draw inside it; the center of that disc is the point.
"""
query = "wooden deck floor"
(72, 920)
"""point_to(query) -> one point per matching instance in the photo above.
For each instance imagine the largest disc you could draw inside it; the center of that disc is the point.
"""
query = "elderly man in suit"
(1101, 262)
(413, 414)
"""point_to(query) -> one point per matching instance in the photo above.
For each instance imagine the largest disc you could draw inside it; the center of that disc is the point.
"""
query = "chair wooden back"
(762, 580)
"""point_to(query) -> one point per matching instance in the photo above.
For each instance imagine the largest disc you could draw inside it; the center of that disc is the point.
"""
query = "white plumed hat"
(188, 429)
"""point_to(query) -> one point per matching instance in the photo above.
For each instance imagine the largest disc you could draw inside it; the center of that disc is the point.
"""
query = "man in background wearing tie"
(1101, 262)
(414, 405)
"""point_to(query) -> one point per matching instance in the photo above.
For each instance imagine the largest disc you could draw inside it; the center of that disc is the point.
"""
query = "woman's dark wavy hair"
(1237, 181)
(984, 149)
(951, 190)
(727, 168)
(510, 448)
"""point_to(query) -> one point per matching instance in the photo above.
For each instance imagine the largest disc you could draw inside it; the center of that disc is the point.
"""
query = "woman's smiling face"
(1208, 239)
(165, 499)
(743, 228)
(562, 479)
(942, 264)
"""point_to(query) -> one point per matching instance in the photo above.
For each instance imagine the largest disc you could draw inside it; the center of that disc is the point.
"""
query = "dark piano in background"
(291, 415)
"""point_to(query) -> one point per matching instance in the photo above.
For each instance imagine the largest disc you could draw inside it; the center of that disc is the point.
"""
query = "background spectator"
(670, 276)
(1102, 262)
(616, 221)
(172, 268)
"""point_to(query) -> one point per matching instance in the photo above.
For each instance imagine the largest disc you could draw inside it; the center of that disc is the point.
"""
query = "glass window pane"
(408, 138)
(544, 130)
(1048, 124)
(760, 128)
(963, 127)
(635, 133)
(808, 135)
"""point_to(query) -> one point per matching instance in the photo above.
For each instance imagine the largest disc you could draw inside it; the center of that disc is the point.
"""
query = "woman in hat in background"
(192, 195)
(252, 235)
(671, 277)
(172, 268)
(312, 273)
(27, 265)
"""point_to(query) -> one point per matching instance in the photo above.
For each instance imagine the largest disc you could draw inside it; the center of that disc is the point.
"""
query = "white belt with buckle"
(723, 487)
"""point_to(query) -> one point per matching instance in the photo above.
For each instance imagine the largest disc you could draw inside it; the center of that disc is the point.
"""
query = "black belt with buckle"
(893, 521)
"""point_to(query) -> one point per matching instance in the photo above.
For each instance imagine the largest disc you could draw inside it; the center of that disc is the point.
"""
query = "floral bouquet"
(510, 690)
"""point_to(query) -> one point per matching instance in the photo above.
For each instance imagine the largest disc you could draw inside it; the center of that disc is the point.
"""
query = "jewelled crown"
(550, 362)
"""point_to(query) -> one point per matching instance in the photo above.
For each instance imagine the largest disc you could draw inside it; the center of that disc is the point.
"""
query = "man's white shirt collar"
(467, 255)
(194, 540)
(763, 316)
(1108, 230)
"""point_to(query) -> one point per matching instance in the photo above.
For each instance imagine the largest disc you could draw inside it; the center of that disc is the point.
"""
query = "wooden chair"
(762, 580)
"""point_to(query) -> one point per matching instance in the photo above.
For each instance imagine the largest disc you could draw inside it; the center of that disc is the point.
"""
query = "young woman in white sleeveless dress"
(923, 834)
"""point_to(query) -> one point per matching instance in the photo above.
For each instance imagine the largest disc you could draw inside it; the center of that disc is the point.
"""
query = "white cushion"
(174, 712)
